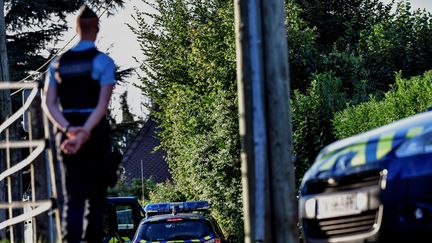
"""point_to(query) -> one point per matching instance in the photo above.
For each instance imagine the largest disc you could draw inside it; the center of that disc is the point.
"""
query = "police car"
(178, 222)
(372, 187)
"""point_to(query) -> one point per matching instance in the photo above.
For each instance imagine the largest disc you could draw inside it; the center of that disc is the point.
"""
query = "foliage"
(340, 21)
(205, 162)
(153, 192)
(134, 189)
(31, 25)
(190, 78)
(339, 26)
(350, 69)
(407, 97)
(166, 192)
(311, 116)
(362, 43)
(400, 43)
(303, 50)
(335, 73)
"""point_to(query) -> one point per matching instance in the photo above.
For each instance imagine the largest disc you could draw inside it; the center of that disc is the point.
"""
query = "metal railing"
(36, 148)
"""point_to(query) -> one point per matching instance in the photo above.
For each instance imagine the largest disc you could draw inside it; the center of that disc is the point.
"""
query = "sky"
(123, 47)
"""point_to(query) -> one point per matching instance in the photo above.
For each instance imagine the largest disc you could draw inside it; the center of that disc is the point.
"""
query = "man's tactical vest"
(75, 86)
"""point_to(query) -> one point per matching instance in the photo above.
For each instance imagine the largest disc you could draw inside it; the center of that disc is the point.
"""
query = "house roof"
(142, 149)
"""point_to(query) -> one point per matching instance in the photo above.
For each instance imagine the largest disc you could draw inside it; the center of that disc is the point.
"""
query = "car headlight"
(415, 146)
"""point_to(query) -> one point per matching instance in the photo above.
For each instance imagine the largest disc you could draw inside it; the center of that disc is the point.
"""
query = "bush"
(312, 113)
(166, 192)
(134, 189)
(407, 97)
(191, 81)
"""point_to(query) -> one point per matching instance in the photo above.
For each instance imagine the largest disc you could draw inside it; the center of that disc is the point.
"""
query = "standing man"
(77, 93)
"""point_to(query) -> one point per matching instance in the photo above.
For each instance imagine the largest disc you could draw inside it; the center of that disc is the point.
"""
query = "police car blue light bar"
(176, 206)
(158, 208)
(196, 205)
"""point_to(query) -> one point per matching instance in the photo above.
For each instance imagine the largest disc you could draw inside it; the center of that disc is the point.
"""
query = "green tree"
(340, 21)
(400, 43)
(190, 78)
(338, 26)
(304, 56)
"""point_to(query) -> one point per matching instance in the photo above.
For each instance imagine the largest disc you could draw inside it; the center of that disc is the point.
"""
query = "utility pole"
(279, 131)
(3, 49)
(5, 103)
(265, 122)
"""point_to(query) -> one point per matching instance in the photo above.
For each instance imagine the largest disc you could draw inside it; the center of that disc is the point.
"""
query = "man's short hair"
(87, 19)
(86, 13)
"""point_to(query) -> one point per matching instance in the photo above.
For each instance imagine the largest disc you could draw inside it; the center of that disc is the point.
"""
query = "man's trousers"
(85, 184)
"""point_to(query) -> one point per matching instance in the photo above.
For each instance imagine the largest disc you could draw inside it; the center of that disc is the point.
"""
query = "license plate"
(337, 205)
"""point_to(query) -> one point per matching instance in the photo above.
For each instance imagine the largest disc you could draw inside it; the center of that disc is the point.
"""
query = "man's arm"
(101, 107)
(51, 108)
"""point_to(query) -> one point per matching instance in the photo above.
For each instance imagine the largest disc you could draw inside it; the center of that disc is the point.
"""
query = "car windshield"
(175, 229)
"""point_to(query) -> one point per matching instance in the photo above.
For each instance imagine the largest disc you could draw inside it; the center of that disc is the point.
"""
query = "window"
(175, 229)
(124, 218)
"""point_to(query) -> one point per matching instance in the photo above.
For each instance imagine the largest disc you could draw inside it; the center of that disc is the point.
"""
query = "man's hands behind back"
(77, 136)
